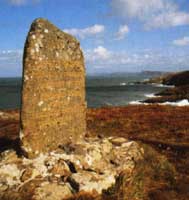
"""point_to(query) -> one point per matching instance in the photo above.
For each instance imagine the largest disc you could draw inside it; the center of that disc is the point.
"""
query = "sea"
(101, 90)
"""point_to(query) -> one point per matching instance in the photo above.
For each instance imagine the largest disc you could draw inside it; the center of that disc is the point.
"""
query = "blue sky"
(115, 35)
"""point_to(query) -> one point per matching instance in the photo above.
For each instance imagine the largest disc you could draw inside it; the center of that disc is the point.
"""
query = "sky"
(115, 35)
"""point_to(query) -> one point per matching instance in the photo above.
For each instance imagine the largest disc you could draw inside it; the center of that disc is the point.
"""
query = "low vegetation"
(163, 129)
(163, 132)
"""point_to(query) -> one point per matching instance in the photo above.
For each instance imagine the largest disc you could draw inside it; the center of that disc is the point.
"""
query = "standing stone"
(53, 91)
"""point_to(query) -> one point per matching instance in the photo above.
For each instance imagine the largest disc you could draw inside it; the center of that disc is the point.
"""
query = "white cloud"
(105, 60)
(181, 42)
(22, 2)
(102, 57)
(136, 8)
(17, 2)
(152, 13)
(102, 53)
(10, 63)
(168, 20)
(85, 32)
(123, 30)
(99, 54)
(10, 55)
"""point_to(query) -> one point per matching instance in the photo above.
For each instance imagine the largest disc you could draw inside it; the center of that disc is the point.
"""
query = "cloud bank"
(106, 60)
(181, 42)
(11, 63)
(122, 32)
(86, 32)
(22, 2)
(17, 2)
(152, 13)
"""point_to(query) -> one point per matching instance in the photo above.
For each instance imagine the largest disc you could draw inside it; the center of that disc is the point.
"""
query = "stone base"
(90, 166)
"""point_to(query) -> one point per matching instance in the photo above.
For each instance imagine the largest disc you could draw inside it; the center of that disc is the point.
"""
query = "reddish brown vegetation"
(164, 128)
(162, 123)
(9, 129)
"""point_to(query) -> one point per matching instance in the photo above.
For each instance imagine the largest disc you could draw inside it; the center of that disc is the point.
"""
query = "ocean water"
(118, 90)
(100, 91)
(10, 93)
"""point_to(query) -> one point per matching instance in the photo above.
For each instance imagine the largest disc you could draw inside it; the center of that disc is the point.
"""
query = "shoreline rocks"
(179, 92)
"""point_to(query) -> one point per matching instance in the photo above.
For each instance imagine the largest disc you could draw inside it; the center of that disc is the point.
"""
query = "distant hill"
(153, 73)
(122, 74)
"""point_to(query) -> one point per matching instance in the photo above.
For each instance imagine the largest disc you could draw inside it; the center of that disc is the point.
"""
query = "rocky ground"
(90, 166)
(160, 171)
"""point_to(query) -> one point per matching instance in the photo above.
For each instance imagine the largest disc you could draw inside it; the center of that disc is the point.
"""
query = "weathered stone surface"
(61, 168)
(118, 141)
(27, 174)
(89, 182)
(52, 192)
(53, 93)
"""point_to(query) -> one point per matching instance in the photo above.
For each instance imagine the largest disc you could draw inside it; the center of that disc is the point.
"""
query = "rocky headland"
(170, 78)
(179, 91)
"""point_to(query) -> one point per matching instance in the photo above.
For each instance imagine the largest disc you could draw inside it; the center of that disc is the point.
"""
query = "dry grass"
(163, 129)
(163, 123)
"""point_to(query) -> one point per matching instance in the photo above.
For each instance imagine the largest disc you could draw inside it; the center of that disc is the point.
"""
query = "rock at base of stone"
(91, 166)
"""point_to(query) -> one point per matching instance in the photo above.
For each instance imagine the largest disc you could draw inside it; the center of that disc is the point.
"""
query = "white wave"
(134, 102)
(137, 103)
(183, 102)
(108, 104)
(162, 85)
(123, 84)
(152, 95)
